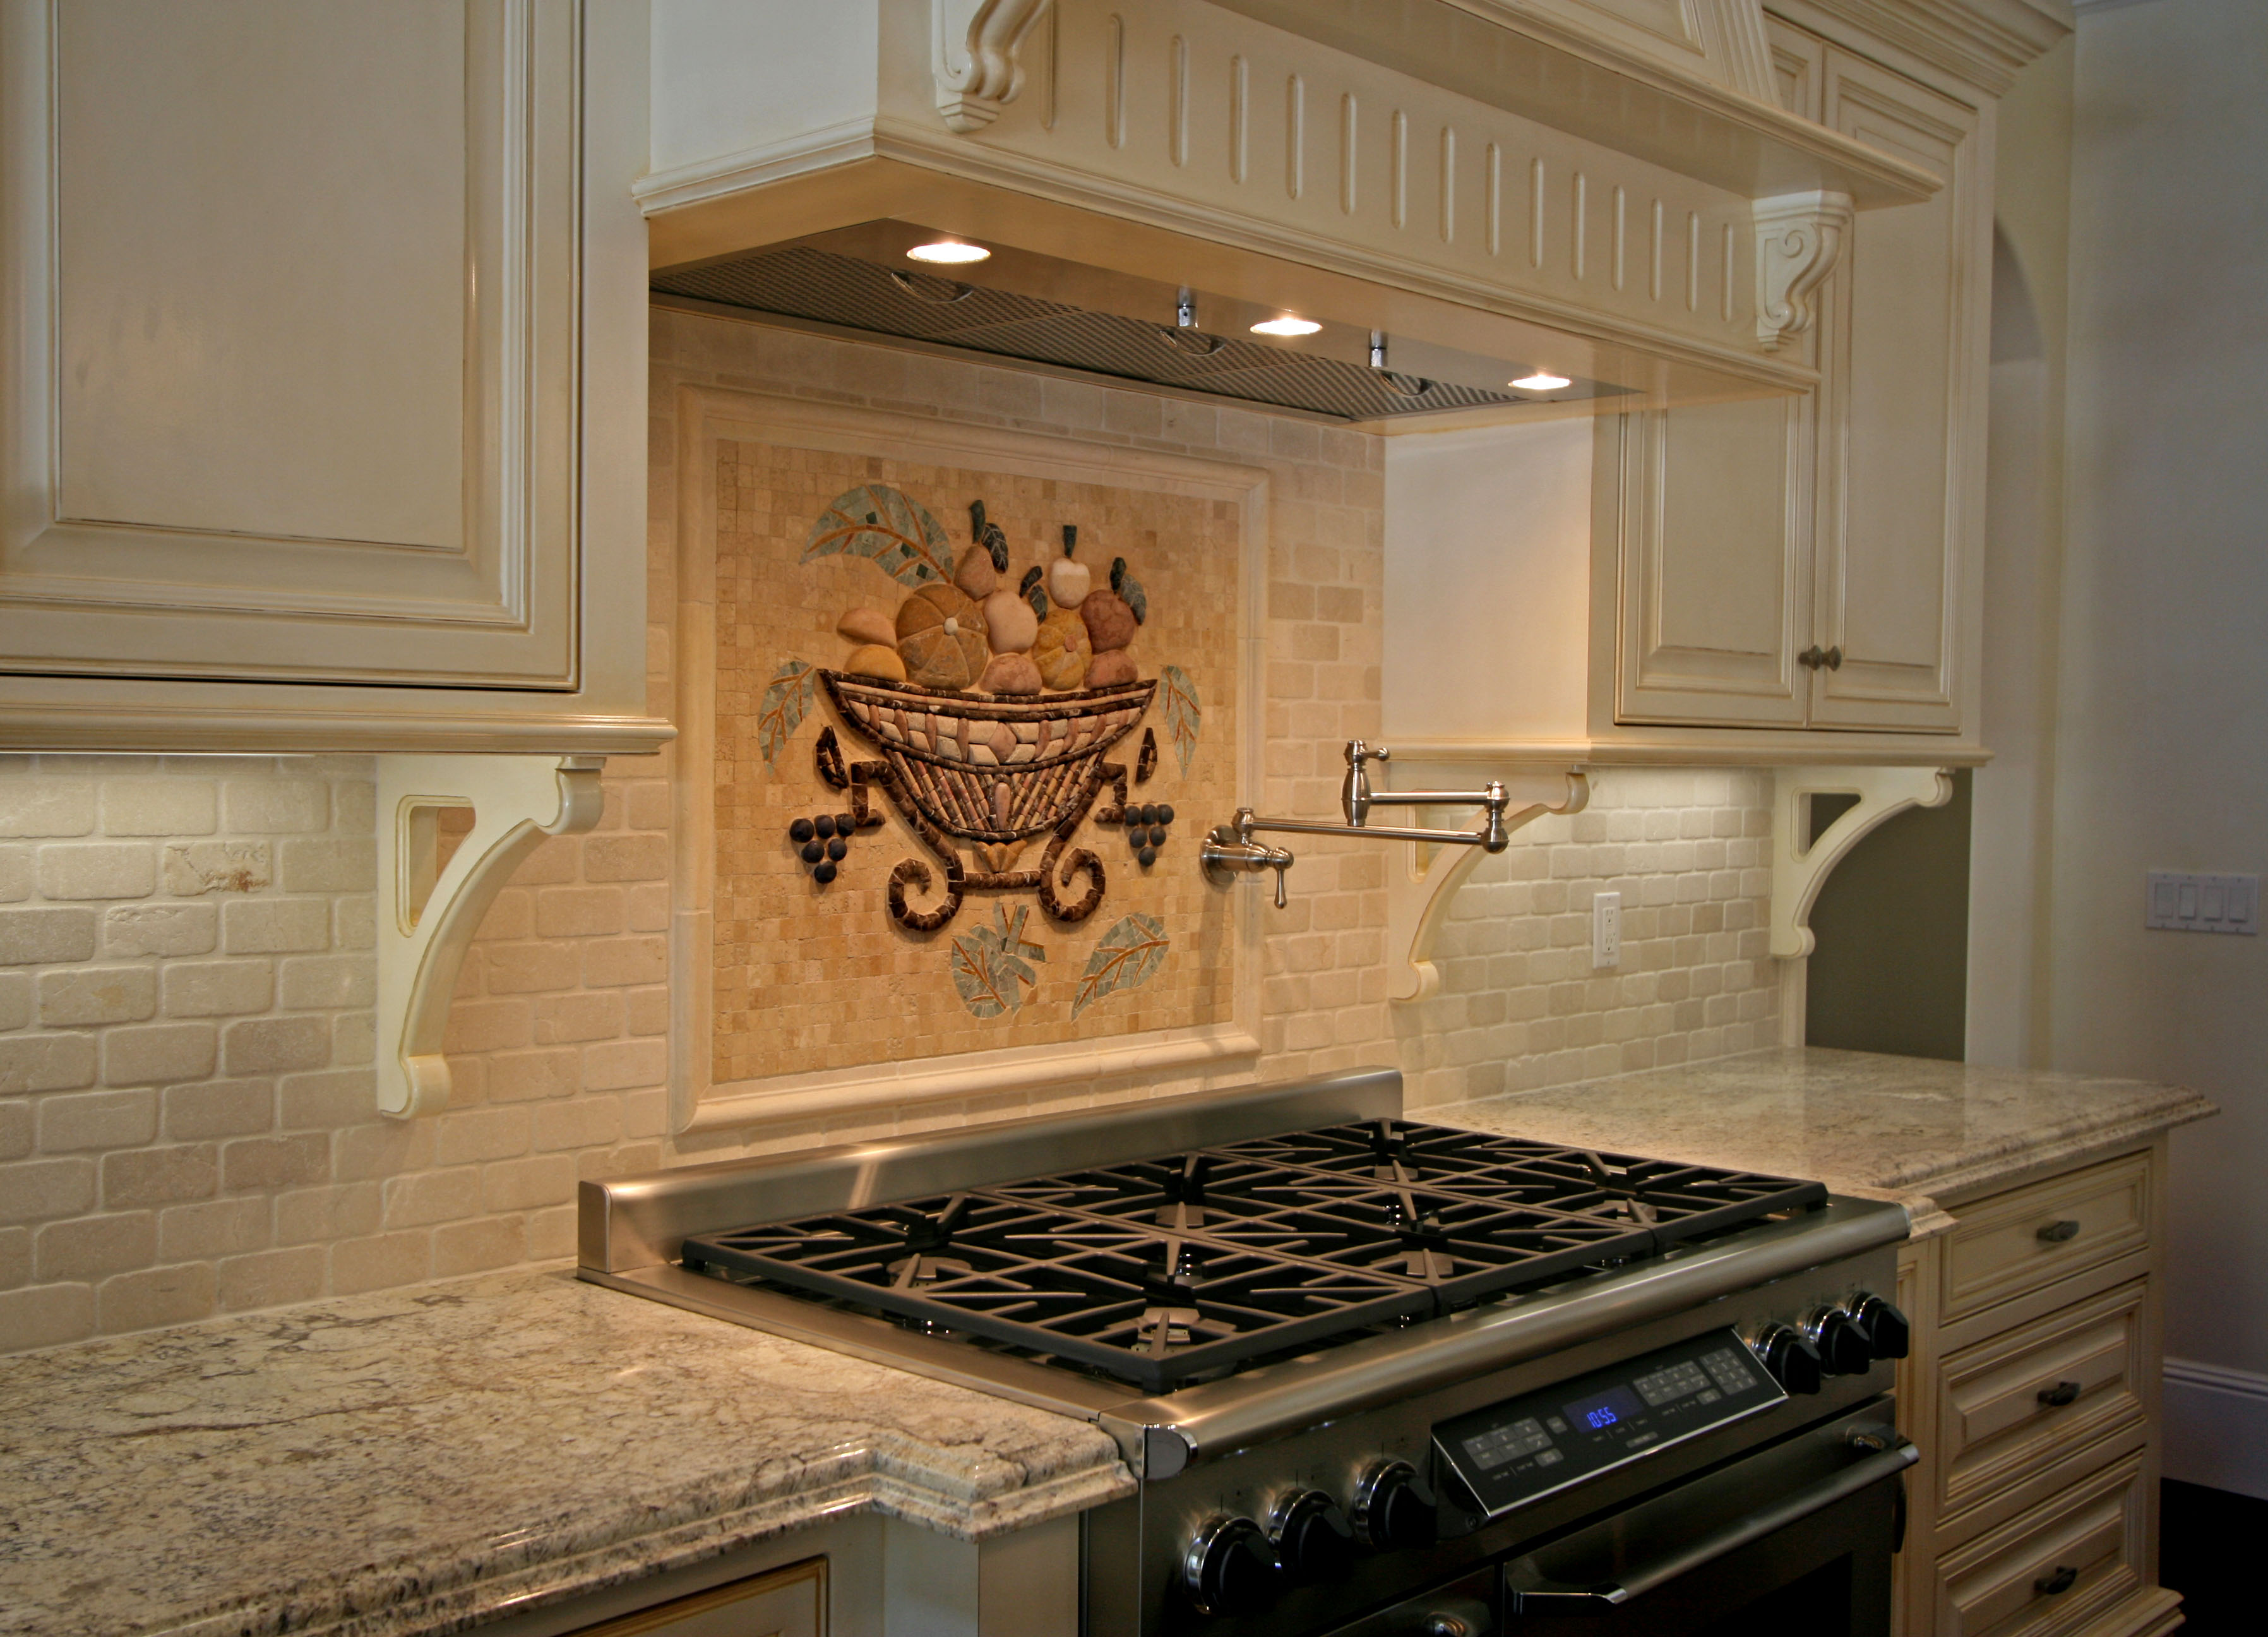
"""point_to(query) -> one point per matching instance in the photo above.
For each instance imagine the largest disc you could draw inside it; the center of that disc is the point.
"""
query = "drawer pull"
(2059, 1395)
(2056, 1233)
(2057, 1584)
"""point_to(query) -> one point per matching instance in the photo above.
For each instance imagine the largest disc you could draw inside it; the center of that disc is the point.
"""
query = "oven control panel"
(1526, 1447)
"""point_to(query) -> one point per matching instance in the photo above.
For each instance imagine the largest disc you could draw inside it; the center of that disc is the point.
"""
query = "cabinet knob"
(2059, 1395)
(1832, 659)
(2056, 1232)
(1812, 657)
(2057, 1584)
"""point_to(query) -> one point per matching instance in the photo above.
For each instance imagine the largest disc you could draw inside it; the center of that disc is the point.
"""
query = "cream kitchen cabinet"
(1818, 562)
(2033, 1392)
(1783, 578)
(323, 376)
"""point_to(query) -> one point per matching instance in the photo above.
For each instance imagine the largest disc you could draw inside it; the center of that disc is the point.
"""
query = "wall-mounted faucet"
(1230, 847)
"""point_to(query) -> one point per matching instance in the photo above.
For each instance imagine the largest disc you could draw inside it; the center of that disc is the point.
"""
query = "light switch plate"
(1606, 929)
(2180, 902)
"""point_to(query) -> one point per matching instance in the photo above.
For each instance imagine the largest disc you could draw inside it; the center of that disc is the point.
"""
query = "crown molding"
(1983, 41)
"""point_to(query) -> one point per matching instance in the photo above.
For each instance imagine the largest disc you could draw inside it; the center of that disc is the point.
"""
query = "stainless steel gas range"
(1373, 1376)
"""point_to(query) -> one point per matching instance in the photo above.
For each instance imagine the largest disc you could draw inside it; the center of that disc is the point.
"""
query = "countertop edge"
(2059, 1149)
(362, 1607)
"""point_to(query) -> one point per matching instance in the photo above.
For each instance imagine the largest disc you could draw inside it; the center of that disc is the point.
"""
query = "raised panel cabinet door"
(1713, 548)
(1901, 435)
(790, 1602)
(290, 370)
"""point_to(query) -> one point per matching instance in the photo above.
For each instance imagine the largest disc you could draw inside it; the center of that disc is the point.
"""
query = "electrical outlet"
(1606, 929)
(2180, 902)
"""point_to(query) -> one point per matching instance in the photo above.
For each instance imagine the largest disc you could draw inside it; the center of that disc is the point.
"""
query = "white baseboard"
(2217, 1427)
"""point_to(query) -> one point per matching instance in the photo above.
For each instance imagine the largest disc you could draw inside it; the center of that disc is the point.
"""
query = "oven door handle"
(1611, 1594)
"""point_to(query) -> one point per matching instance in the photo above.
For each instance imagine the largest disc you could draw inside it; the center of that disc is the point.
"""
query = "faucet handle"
(1354, 792)
(1279, 860)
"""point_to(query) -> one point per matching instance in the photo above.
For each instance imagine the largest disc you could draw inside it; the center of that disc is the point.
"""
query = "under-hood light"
(1541, 382)
(948, 253)
(1285, 326)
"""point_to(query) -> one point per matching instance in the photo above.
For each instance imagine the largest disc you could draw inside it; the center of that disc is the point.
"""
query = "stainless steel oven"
(1371, 1375)
(1798, 1535)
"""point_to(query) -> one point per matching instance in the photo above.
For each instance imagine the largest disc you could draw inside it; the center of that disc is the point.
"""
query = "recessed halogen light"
(1541, 382)
(948, 253)
(1285, 326)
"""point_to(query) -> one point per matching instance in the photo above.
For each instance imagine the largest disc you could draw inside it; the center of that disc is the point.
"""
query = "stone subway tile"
(160, 929)
(154, 1296)
(42, 935)
(94, 995)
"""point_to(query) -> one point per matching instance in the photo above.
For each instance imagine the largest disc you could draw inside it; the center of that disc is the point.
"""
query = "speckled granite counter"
(393, 1464)
(1910, 1129)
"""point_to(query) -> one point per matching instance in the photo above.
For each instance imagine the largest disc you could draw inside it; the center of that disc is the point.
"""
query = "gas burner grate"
(1159, 1272)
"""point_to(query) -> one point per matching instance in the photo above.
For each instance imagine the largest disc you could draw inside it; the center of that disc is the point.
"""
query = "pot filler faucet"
(1230, 847)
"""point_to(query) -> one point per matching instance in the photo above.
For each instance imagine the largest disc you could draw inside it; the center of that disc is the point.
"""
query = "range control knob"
(1394, 1509)
(1791, 1360)
(1229, 1569)
(1889, 1335)
(1841, 1341)
(1313, 1541)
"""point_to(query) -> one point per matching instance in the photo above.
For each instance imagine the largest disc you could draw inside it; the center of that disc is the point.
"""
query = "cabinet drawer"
(2055, 1568)
(2008, 1406)
(791, 1602)
(2010, 1244)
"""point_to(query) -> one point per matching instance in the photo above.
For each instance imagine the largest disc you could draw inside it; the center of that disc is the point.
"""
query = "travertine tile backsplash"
(186, 967)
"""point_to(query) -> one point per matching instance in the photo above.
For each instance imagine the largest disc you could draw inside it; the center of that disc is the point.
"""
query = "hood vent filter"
(821, 286)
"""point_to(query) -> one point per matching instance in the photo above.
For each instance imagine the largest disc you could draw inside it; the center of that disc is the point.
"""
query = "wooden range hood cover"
(1495, 186)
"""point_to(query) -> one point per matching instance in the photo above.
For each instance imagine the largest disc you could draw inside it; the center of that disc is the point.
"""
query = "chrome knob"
(1229, 1569)
(1889, 1335)
(1313, 1542)
(1841, 1341)
(1394, 1509)
(1789, 1360)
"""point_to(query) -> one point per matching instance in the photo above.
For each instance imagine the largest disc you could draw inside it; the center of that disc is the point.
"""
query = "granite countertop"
(1914, 1130)
(406, 1462)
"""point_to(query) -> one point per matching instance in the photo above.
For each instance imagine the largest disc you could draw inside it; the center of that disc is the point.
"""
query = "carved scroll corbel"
(1799, 240)
(1801, 866)
(1420, 889)
(977, 56)
(428, 910)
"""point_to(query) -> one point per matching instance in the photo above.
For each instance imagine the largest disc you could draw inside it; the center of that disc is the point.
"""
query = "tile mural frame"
(706, 416)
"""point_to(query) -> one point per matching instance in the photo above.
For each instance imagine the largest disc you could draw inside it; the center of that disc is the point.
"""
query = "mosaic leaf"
(990, 965)
(1184, 715)
(1130, 954)
(1130, 589)
(875, 520)
(795, 686)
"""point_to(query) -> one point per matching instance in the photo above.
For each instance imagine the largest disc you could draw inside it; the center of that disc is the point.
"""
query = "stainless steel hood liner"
(822, 286)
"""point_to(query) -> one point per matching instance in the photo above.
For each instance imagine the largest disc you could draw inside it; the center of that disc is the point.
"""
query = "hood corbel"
(1799, 240)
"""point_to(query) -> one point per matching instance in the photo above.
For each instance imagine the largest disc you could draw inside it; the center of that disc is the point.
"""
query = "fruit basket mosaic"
(1010, 715)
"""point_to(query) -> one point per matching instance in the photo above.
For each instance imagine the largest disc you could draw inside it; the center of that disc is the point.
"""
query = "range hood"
(1038, 310)
(1148, 183)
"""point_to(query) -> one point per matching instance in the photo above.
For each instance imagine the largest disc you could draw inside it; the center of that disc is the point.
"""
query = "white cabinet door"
(1714, 518)
(1902, 468)
(289, 366)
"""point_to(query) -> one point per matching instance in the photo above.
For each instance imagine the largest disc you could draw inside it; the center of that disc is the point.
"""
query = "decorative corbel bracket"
(1421, 879)
(1799, 870)
(1799, 240)
(428, 910)
(976, 48)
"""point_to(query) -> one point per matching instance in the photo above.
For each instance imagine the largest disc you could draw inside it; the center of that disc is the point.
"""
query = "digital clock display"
(1602, 1410)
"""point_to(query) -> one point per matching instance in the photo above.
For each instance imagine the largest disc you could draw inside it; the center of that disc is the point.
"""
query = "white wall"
(2162, 759)
(1493, 647)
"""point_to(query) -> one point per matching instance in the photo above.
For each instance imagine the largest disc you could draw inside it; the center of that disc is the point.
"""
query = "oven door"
(1806, 1529)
